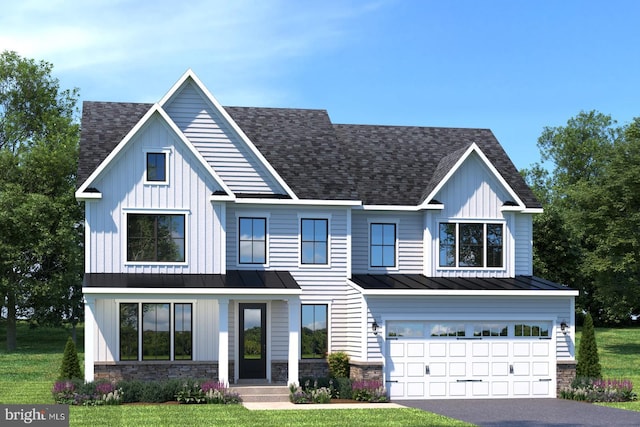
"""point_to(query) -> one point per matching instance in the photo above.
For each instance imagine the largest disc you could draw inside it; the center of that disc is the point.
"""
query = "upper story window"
(471, 245)
(156, 170)
(253, 241)
(382, 242)
(155, 238)
(314, 241)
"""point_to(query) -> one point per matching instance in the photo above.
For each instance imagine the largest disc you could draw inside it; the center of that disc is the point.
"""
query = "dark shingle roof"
(380, 165)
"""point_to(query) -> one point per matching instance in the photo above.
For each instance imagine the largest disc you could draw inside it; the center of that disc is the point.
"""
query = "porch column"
(89, 337)
(223, 340)
(294, 339)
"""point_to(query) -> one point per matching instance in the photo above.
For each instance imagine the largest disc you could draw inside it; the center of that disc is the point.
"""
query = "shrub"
(342, 388)
(310, 393)
(207, 392)
(132, 390)
(588, 362)
(369, 391)
(70, 367)
(89, 394)
(599, 390)
(191, 393)
(338, 364)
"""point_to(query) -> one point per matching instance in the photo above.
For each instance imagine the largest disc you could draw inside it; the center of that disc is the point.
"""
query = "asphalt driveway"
(527, 412)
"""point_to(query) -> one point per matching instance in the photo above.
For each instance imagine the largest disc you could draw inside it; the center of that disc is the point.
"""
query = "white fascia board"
(473, 148)
(457, 292)
(88, 196)
(297, 202)
(105, 163)
(222, 198)
(432, 206)
(116, 292)
(189, 74)
(533, 210)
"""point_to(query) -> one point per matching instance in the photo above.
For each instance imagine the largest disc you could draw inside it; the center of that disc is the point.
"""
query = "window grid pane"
(252, 246)
(383, 245)
(314, 241)
(156, 334)
(156, 167)
(183, 341)
(129, 331)
(447, 245)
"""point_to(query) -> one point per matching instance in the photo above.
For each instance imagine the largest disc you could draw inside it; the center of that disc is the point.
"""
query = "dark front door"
(253, 341)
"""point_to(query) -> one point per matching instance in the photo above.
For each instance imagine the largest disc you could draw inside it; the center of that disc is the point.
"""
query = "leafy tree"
(588, 361)
(588, 236)
(70, 367)
(40, 221)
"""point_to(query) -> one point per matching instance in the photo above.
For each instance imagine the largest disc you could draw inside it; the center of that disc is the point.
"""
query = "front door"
(253, 341)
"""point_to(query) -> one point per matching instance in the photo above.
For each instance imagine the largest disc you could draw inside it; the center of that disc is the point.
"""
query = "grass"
(619, 353)
(27, 376)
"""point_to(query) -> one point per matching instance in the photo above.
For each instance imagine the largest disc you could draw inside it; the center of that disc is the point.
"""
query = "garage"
(470, 359)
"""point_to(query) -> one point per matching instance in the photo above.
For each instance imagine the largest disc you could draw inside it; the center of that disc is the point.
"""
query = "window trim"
(457, 223)
(125, 223)
(378, 220)
(314, 216)
(327, 249)
(167, 154)
(314, 303)
(139, 305)
(251, 215)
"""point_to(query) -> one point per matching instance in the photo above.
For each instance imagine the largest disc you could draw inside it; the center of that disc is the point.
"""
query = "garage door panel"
(397, 371)
(480, 389)
(521, 349)
(415, 389)
(457, 349)
(457, 369)
(480, 369)
(541, 388)
(396, 349)
(396, 390)
(438, 389)
(540, 368)
(521, 369)
(415, 349)
(437, 369)
(521, 388)
(500, 388)
(437, 349)
(457, 389)
(500, 349)
(415, 369)
(540, 349)
(480, 349)
(500, 369)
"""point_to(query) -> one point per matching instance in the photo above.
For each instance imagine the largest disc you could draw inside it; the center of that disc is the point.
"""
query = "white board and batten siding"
(473, 194)
(204, 325)
(409, 241)
(123, 190)
(218, 143)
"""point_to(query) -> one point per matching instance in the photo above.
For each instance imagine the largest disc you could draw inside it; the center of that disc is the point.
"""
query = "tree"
(70, 367)
(40, 221)
(588, 235)
(588, 361)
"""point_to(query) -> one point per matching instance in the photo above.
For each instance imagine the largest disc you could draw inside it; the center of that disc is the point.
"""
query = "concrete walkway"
(257, 406)
(527, 412)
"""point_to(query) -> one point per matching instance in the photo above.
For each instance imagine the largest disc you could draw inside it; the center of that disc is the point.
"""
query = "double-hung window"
(253, 241)
(382, 245)
(314, 241)
(155, 238)
(471, 245)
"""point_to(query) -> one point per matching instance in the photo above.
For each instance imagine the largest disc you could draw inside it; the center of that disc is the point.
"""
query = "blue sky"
(511, 66)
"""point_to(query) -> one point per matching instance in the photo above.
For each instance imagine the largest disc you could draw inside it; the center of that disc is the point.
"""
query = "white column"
(89, 337)
(223, 340)
(294, 339)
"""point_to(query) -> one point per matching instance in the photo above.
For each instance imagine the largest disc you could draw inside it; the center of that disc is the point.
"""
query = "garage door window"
(531, 330)
(406, 329)
(490, 330)
(448, 330)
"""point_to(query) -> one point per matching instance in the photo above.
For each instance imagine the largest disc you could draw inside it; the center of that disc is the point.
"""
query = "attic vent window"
(157, 168)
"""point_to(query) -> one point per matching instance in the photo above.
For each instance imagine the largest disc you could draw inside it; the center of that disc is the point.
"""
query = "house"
(243, 244)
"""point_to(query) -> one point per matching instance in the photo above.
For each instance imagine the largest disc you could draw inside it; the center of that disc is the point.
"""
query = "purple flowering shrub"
(369, 391)
(89, 394)
(208, 392)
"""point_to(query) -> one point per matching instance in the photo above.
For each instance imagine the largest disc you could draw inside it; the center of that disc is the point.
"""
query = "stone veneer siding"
(365, 371)
(565, 374)
(156, 370)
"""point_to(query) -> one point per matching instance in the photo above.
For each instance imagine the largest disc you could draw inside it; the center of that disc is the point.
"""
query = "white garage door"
(469, 360)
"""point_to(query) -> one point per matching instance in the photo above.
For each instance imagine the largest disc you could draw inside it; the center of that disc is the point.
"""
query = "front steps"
(261, 393)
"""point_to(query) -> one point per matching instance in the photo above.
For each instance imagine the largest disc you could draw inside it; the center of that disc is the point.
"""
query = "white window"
(473, 244)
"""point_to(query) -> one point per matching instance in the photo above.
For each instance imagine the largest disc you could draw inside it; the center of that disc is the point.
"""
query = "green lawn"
(27, 376)
(619, 353)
